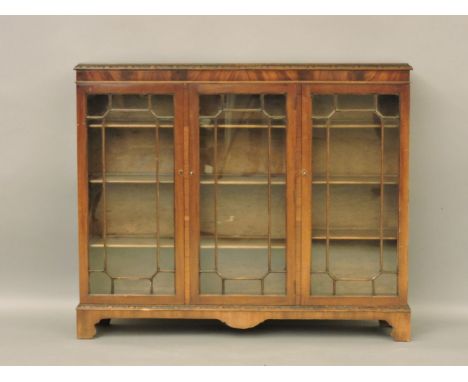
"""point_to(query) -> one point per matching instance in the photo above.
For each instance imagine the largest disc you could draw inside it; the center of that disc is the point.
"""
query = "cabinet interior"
(131, 194)
(242, 194)
(355, 190)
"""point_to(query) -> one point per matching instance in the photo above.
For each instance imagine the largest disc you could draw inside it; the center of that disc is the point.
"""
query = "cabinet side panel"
(404, 193)
(82, 160)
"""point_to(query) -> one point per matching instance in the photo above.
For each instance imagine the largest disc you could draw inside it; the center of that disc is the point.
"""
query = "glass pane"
(131, 194)
(242, 194)
(355, 164)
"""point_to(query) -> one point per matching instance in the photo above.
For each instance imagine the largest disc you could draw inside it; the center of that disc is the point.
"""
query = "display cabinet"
(243, 193)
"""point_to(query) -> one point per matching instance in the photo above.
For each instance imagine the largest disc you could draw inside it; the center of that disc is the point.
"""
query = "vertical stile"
(215, 199)
(327, 205)
(382, 168)
(157, 187)
(269, 192)
(104, 192)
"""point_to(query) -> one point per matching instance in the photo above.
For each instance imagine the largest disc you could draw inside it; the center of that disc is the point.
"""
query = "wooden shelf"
(353, 126)
(244, 180)
(131, 178)
(242, 126)
(355, 119)
(131, 242)
(239, 243)
(346, 179)
(241, 180)
(116, 125)
(354, 234)
(205, 242)
(151, 178)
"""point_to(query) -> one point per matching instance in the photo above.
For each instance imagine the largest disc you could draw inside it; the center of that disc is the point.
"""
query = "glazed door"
(242, 193)
(131, 190)
(354, 194)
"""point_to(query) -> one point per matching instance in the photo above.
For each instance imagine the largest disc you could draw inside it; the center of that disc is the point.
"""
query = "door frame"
(83, 90)
(306, 192)
(194, 91)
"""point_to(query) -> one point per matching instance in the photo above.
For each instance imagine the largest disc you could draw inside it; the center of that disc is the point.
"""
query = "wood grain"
(245, 73)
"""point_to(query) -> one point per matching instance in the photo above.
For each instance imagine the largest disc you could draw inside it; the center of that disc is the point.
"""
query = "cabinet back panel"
(355, 207)
(131, 210)
(355, 153)
(242, 151)
(242, 211)
(134, 151)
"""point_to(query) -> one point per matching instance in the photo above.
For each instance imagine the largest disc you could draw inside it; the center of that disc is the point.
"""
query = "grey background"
(38, 225)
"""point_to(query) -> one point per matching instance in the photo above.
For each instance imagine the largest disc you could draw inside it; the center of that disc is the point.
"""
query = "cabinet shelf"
(354, 126)
(354, 234)
(116, 125)
(131, 178)
(241, 243)
(151, 178)
(242, 126)
(205, 242)
(244, 180)
(353, 179)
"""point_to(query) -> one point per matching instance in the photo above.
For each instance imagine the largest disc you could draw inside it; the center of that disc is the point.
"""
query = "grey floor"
(43, 333)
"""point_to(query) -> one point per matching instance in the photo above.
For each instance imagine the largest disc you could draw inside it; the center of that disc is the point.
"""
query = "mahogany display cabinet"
(243, 193)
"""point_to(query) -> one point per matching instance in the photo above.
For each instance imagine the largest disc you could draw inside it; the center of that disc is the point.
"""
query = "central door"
(242, 145)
